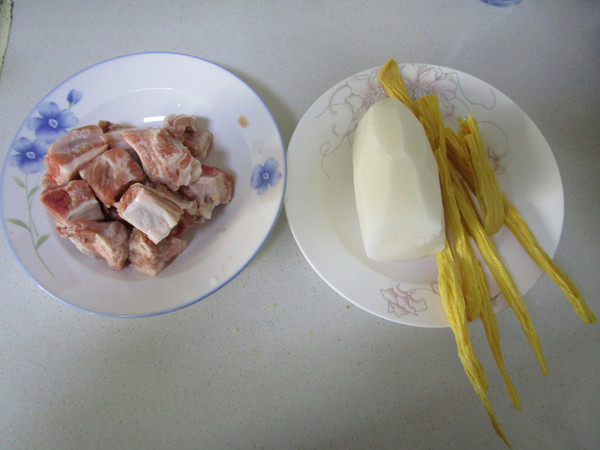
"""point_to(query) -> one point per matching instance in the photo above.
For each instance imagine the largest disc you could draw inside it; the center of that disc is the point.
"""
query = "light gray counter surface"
(306, 369)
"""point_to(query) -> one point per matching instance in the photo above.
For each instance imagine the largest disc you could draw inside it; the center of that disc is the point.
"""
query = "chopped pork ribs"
(164, 159)
(73, 151)
(191, 212)
(71, 203)
(126, 195)
(213, 188)
(149, 258)
(184, 127)
(154, 211)
(106, 240)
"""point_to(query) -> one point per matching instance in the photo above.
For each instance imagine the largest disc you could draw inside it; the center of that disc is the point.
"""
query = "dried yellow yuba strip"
(473, 280)
(454, 305)
(393, 83)
(487, 190)
(428, 112)
(492, 332)
(500, 273)
(513, 220)
(517, 225)
(459, 157)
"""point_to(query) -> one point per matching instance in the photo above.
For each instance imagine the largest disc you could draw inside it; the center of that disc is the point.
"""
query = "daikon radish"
(396, 185)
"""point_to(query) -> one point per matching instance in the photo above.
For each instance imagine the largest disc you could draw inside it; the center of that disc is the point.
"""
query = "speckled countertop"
(277, 359)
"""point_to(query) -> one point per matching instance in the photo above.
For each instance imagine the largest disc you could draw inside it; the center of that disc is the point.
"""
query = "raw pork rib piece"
(213, 188)
(71, 203)
(154, 212)
(149, 258)
(190, 215)
(106, 240)
(111, 173)
(164, 159)
(73, 151)
(184, 127)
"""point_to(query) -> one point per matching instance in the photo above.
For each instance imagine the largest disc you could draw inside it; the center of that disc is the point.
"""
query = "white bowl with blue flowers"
(140, 89)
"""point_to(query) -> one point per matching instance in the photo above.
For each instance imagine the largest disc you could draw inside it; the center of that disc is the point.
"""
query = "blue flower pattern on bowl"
(265, 175)
(73, 97)
(52, 123)
(28, 156)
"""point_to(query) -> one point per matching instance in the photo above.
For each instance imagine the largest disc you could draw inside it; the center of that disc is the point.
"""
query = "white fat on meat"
(396, 185)
(153, 212)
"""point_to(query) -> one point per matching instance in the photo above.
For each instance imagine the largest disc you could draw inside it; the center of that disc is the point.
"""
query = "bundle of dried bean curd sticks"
(465, 177)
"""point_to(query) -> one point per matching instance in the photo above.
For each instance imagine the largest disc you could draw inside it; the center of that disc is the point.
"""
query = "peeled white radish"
(396, 185)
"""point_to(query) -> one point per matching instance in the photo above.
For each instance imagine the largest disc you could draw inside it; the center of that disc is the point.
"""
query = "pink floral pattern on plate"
(351, 100)
(359, 92)
(422, 79)
(402, 302)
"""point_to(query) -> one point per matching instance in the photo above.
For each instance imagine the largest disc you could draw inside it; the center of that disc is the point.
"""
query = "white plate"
(320, 194)
(140, 89)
